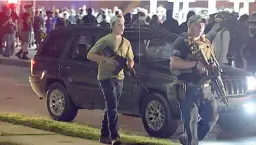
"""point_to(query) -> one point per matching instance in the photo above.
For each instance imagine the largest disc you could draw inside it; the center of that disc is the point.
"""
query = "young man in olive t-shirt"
(110, 82)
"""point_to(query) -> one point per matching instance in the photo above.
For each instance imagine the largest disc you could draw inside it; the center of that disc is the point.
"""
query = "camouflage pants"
(202, 102)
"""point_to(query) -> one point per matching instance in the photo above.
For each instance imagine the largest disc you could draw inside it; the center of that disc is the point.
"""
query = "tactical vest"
(195, 46)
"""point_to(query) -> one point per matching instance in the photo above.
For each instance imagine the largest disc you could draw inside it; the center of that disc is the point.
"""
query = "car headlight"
(250, 107)
(251, 83)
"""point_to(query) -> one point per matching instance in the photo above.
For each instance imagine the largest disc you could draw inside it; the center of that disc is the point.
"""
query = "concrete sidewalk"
(13, 60)
(30, 136)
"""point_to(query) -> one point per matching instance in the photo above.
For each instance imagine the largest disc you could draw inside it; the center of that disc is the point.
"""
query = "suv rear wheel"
(157, 117)
(59, 104)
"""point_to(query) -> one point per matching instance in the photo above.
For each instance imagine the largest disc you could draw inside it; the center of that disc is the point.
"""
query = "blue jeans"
(112, 90)
(202, 102)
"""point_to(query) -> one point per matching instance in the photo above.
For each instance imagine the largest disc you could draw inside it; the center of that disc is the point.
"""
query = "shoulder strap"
(120, 45)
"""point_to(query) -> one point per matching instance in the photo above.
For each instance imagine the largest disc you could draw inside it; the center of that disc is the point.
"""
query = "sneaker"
(105, 140)
(183, 139)
(116, 141)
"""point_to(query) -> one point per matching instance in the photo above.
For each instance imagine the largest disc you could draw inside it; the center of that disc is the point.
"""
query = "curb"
(14, 62)
(76, 130)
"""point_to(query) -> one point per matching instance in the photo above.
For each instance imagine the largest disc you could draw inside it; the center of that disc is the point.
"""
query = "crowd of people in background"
(227, 31)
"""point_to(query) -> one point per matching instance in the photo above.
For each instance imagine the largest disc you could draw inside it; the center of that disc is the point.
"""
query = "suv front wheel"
(157, 117)
(59, 104)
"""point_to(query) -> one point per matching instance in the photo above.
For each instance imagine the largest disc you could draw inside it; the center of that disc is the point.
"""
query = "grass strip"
(75, 130)
(5, 142)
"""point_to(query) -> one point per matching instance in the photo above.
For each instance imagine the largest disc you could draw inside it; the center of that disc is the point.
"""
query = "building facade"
(246, 6)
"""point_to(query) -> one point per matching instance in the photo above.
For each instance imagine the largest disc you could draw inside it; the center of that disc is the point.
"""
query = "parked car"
(62, 74)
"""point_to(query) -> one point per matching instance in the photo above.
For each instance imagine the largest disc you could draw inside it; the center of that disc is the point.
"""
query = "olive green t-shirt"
(106, 70)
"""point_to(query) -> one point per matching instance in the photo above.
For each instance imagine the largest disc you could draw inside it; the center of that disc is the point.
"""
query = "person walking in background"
(170, 23)
(89, 19)
(183, 26)
(243, 35)
(38, 26)
(26, 27)
(9, 29)
(220, 38)
(155, 21)
(249, 52)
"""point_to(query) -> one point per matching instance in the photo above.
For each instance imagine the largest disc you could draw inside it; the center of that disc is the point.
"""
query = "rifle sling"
(120, 45)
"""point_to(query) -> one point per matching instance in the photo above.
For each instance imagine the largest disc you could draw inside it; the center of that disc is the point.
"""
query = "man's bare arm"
(130, 64)
(99, 58)
(95, 57)
(178, 63)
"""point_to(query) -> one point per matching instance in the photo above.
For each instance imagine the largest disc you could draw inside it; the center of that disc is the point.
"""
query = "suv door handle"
(64, 66)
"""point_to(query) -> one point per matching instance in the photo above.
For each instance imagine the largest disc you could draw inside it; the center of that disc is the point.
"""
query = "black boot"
(24, 56)
(18, 54)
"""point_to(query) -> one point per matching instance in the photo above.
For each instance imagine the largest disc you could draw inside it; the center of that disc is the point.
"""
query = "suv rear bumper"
(38, 86)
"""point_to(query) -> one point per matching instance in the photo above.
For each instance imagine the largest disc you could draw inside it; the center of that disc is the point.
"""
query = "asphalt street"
(17, 96)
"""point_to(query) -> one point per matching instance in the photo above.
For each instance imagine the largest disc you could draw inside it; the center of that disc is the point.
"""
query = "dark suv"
(61, 73)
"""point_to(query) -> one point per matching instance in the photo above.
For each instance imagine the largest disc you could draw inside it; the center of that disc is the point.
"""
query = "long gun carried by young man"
(122, 64)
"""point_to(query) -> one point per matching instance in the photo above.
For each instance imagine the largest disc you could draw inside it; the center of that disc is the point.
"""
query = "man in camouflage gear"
(186, 62)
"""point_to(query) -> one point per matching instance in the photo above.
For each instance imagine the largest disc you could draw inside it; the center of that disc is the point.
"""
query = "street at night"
(165, 72)
(18, 97)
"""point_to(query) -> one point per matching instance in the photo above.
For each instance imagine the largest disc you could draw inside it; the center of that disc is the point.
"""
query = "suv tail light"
(33, 64)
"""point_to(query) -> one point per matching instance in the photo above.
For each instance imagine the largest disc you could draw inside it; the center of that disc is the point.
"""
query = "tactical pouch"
(181, 89)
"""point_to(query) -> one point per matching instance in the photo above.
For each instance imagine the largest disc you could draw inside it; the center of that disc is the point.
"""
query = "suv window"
(80, 48)
(139, 50)
(55, 45)
(159, 49)
(151, 50)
